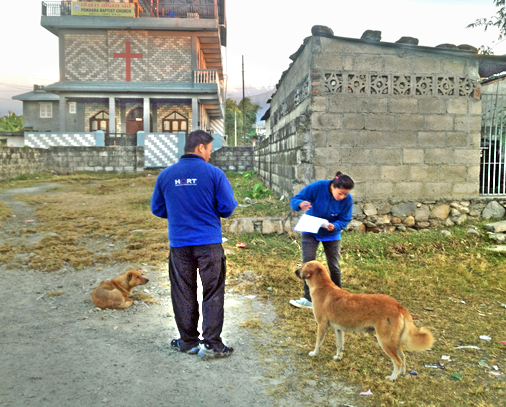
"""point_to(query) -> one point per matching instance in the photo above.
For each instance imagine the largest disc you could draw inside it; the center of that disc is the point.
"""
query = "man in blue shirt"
(193, 196)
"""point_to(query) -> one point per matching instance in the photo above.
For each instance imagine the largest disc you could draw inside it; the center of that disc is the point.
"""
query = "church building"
(136, 65)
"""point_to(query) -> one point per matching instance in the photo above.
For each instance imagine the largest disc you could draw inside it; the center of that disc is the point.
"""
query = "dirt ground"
(57, 349)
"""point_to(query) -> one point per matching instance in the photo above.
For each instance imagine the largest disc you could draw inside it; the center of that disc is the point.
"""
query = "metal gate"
(493, 145)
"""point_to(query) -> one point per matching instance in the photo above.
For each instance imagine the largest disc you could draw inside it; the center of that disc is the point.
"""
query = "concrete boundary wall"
(233, 158)
(403, 125)
(16, 161)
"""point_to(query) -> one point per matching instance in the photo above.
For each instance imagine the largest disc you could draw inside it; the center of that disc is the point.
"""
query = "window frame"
(44, 112)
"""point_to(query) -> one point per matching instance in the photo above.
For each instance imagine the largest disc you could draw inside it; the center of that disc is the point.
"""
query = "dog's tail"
(411, 337)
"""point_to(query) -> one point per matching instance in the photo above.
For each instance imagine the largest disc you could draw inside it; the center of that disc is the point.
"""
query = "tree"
(233, 118)
(11, 122)
(499, 21)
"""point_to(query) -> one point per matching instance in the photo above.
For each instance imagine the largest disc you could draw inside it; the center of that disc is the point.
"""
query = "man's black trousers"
(211, 264)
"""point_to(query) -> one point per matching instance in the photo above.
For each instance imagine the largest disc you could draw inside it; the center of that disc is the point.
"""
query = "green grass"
(463, 284)
(267, 205)
(454, 276)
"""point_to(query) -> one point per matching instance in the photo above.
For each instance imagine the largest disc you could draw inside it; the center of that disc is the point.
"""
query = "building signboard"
(97, 9)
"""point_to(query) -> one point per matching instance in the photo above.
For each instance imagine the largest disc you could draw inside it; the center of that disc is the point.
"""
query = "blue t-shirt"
(324, 205)
(193, 195)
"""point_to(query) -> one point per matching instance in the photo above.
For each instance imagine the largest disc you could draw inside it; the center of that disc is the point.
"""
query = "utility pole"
(243, 108)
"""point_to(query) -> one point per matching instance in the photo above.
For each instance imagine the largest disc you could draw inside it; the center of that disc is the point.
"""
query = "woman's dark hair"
(195, 139)
(342, 181)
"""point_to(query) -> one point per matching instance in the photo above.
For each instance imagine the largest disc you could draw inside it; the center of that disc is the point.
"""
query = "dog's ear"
(130, 275)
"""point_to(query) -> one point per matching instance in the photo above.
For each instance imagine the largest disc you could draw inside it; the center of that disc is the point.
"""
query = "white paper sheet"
(311, 224)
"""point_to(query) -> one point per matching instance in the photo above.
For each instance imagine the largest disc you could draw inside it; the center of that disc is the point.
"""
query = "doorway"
(135, 121)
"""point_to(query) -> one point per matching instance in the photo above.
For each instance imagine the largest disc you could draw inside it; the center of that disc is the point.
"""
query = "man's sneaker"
(207, 351)
(302, 303)
(176, 344)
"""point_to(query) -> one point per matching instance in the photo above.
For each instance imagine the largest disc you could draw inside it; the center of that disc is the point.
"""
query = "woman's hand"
(305, 205)
(330, 227)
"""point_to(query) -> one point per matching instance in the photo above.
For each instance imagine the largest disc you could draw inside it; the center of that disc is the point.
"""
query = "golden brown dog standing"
(115, 293)
(344, 311)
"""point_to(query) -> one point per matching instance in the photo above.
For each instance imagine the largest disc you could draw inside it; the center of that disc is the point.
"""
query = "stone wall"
(233, 158)
(390, 216)
(402, 121)
(16, 161)
(97, 159)
(23, 161)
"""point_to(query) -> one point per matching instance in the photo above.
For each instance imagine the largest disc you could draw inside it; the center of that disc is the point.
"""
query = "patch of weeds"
(253, 324)
(260, 192)
(254, 199)
(5, 211)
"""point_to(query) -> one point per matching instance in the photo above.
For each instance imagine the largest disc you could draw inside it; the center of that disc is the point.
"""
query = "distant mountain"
(260, 96)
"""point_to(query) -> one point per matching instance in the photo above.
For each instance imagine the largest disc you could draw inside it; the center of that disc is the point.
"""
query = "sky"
(265, 32)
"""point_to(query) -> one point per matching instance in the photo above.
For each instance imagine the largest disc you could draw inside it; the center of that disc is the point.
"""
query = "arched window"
(100, 122)
(174, 122)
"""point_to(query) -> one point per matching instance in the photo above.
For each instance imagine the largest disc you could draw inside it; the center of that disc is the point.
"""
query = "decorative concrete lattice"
(379, 84)
(85, 57)
(402, 85)
(334, 82)
(466, 87)
(398, 85)
(445, 86)
(357, 83)
(46, 140)
(160, 150)
(424, 86)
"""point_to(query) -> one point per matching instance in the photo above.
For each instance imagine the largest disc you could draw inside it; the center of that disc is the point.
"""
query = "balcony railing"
(209, 76)
(205, 76)
(156, 10)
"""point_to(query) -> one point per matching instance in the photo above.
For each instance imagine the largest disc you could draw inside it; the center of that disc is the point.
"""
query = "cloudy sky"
(265, 32)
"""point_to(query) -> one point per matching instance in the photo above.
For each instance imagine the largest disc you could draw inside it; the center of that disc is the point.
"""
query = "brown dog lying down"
(115, 293)
(344, 311)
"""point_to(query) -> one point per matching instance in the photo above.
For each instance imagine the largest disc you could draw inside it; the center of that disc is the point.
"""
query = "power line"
(26, 76)
(15, 86)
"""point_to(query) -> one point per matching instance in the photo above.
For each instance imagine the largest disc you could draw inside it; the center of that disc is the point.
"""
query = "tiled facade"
(156, 58)
(85, 57)
(170, 59)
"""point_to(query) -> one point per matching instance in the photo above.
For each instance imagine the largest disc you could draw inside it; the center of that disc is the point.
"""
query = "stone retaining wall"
(388, 216)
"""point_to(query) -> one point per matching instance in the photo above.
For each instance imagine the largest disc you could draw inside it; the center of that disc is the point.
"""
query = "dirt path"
(57, 349)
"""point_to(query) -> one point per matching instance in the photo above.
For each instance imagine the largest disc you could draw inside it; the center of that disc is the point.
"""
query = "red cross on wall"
(128, 57)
